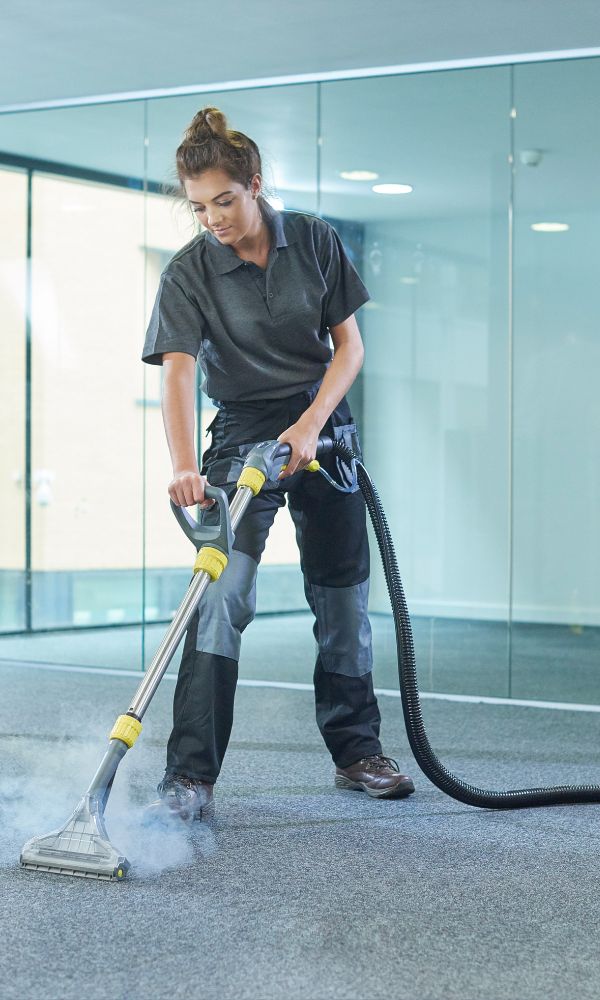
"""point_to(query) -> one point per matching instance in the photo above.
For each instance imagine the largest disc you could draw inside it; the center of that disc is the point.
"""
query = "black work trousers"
(334, 553)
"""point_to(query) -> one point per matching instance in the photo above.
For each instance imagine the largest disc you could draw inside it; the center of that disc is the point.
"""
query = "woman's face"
(225, 206)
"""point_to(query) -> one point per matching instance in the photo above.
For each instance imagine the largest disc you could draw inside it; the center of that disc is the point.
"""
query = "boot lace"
(377, 762)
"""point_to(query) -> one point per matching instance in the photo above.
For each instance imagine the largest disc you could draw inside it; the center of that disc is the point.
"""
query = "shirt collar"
(224, 258)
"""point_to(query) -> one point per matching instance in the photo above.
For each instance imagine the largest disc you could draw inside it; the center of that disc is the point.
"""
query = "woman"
(255, 298)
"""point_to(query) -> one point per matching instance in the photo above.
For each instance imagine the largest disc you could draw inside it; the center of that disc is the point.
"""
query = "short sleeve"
(345, 291)
(175, 323)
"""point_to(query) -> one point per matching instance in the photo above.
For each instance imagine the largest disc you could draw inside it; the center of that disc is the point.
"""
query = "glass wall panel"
(556, 550)
(283, 123)
(13, 296)
(101, 138)
(87, 310)
(478, 412)
(87, 388)
(434, 384)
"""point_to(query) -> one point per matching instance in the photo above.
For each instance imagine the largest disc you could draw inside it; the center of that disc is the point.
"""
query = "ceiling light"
(392, 188)
(550, 227)
(359, 175)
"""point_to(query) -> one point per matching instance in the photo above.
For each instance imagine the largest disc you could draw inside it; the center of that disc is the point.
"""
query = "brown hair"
(209, 145)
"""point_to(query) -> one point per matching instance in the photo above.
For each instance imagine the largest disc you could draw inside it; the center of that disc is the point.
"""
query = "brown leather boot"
(376, 775)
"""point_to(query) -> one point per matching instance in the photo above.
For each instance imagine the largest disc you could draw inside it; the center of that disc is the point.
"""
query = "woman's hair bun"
(207, 123)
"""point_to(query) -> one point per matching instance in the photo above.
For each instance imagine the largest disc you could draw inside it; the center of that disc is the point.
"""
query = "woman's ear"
(256, 185)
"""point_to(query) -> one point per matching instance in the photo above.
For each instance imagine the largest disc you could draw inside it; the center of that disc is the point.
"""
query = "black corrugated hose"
(425, 757)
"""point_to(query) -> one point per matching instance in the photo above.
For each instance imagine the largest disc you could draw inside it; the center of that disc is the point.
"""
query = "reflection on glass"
(434, 383)
(556, 551)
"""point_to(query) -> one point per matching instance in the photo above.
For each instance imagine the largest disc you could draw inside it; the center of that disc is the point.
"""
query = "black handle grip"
(324, 446)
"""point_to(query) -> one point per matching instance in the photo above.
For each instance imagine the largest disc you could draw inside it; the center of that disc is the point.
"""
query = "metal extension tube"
(164, 654)
(82, 847)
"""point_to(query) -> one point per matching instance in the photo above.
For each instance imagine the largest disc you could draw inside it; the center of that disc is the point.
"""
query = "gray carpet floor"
(297, 891)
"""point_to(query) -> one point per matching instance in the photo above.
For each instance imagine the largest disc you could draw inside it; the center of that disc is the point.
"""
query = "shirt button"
(270, 295)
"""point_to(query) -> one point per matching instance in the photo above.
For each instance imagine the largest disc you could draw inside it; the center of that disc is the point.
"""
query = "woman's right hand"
(187, 488)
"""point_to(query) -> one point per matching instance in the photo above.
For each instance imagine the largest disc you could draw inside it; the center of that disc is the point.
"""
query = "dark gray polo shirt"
(256, 334)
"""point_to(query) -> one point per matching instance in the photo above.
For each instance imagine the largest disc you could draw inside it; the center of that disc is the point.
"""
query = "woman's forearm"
(345, 366)
(178, 405)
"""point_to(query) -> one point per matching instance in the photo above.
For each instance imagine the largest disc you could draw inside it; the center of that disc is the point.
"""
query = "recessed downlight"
(392, 188)
(550, 227)
(359, 175)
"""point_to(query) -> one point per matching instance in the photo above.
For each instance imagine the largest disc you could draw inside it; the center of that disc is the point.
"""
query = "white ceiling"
(75, 48)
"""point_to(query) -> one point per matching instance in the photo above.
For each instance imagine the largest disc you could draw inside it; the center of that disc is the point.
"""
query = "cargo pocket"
(224, 471)
(347, 434)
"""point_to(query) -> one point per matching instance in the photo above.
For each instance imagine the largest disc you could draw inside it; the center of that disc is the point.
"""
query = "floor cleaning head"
(81, 847)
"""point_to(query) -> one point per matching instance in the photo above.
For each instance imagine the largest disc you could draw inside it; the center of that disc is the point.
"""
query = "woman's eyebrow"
(212, 199)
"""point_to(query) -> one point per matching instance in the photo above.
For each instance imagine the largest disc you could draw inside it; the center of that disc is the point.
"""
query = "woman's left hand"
(303, 437)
